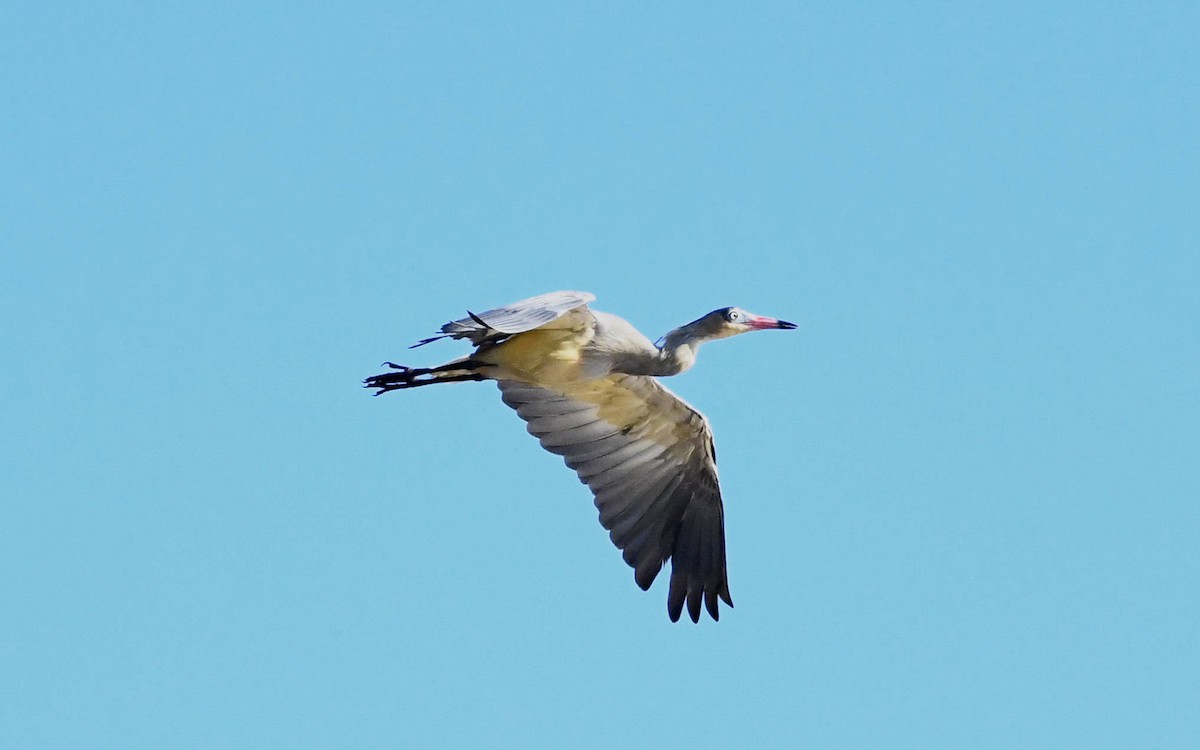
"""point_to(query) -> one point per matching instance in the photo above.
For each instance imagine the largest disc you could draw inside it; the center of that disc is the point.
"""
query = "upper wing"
(649, 460)
(518, 317)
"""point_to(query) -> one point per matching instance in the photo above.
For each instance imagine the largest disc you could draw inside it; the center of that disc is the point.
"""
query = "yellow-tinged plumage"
(541, 356)
(549, 354)
(551, 358)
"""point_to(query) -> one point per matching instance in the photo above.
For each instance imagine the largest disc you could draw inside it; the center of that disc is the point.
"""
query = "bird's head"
(730, 321)
(679, 346)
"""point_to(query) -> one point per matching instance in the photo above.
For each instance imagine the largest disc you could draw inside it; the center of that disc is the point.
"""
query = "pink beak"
(762, 323)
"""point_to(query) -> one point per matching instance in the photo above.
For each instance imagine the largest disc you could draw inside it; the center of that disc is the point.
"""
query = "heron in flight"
(584, 381)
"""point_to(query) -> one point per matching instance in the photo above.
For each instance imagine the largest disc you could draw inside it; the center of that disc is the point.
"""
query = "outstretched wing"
(649, 460)
(502, 322)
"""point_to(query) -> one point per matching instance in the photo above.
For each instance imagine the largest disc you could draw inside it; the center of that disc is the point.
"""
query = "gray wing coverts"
(657, 501)
(501, 322)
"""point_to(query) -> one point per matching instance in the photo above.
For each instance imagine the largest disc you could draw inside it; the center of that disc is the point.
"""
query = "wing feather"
(584, 454)
(553, 408)
(518, 317)
(617, 458)
(563, 441)
(636, 522)
(648, 458)
(631, 467)
(619, 504)
(560, 422)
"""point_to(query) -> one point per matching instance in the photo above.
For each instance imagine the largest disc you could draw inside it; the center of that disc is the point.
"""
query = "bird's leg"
(413, 377)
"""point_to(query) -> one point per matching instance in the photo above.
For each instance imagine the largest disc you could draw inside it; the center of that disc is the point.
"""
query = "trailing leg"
(414, 377)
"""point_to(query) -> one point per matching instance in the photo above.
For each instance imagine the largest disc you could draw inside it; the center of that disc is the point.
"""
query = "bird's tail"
(413, 377)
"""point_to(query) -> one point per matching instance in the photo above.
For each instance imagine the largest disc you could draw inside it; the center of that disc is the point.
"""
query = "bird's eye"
(732, 316)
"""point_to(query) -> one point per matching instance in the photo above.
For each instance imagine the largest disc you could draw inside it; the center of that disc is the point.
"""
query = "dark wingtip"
(710, 603)
(644, 577)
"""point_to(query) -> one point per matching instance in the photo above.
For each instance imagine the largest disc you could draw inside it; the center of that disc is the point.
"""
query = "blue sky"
(961, 499)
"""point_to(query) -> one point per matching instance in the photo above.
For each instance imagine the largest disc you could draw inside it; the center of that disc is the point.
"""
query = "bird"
(585, 382)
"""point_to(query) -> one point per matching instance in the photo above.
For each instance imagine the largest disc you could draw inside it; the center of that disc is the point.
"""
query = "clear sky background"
(961, 499)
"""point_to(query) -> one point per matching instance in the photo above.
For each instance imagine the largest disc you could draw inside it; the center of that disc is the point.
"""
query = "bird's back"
(614, 346)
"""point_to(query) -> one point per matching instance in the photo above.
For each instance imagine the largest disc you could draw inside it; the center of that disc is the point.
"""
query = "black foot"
(390, 381)
(412, 377)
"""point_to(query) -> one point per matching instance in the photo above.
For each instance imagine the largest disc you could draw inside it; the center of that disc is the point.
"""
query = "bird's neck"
(678, 350)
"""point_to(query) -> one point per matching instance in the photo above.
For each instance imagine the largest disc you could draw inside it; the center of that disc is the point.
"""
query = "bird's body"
(584, 382)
